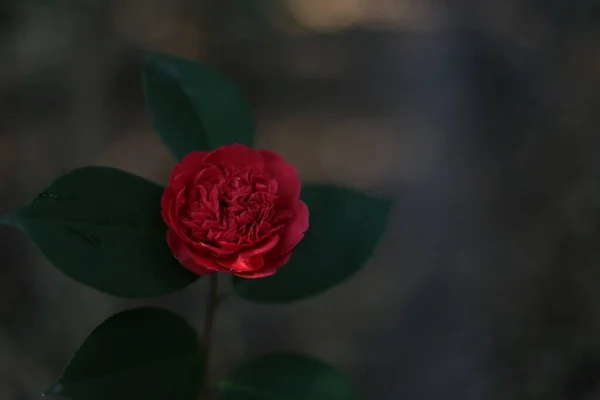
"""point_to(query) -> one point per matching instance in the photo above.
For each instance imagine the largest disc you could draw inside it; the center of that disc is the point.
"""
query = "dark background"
(481, 118)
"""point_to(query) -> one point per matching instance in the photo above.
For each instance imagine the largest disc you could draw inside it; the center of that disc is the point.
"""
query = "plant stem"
(212, 301)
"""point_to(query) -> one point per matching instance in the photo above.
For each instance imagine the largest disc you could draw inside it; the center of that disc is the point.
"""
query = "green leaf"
(103, 228)
(193, 107)
(285, 376)
(146, 353)
(345, 226)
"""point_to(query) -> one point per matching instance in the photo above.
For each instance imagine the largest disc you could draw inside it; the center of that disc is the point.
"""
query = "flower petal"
(182, 255)
(217, 250)
(256, 274)
(284, 173)
(236, 155)
(165, 202)
(206, 261)
(292, 233)
(251, 260)
(189, 164)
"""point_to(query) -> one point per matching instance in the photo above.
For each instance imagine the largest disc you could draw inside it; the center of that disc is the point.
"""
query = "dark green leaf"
(193, 107)
(345, 226)
(146, 353)
(103, 228)
(283, 376)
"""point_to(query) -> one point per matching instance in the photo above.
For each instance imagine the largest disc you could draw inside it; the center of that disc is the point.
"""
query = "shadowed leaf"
(345, 226)
(146, 353)
(286, 376)
(193, 107)
(103, 228)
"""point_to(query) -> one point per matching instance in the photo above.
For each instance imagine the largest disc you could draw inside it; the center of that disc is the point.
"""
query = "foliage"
(103, 228)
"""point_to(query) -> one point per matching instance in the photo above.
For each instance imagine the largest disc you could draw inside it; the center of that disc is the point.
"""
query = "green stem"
(212, 302)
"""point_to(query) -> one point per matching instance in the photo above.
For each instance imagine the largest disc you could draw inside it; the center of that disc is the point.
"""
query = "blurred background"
(481, 118)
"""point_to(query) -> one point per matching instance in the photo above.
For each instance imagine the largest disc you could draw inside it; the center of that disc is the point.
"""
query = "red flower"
(234, 209)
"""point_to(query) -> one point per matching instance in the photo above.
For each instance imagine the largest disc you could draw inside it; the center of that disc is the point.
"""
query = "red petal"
(284, 173)
(207, 261)
(183, 256)
(190, 164)
(165, 202)
(292, 233)
(236, 155)
(207, 174)
(171, 213)
(256, 274)
(251, 260)
(218, 250)
(194, 159)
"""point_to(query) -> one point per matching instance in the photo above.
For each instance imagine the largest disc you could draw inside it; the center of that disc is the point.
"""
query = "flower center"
(230, 210)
